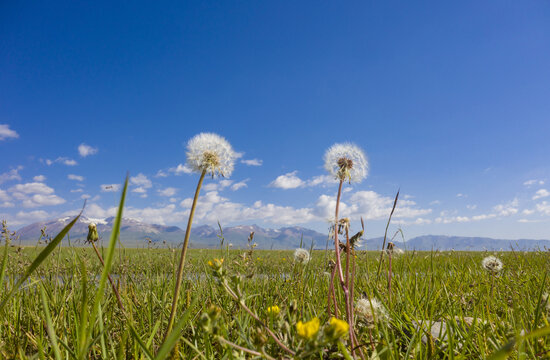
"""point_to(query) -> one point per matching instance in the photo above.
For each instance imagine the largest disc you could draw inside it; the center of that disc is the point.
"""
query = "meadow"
(109, 302)
(482, 313)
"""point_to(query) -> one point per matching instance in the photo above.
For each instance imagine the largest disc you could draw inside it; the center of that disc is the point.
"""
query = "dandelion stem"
(182, 257)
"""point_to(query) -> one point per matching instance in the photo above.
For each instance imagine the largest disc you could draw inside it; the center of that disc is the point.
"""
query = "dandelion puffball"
(492, 264)
(370, 311)
(346, 162)
(210, 153)
(301, 256)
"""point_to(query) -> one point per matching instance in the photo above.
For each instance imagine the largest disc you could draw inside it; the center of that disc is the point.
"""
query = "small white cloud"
(62, 160)
(161, 173)
(37, 200)
(323, 180)
(287, 181)
(507, 209)
(252, 162)
(460, 195)
(85, 196)
(75, 177)
(533, 182)
(527, 212)
(77, 190)
(13, 174)
(169, 191)
(471, 207)
(543, 208)
(542, 193)
(239, 185)
(7, 133)
(139, 190)
(141, 180)
(4, 196)
(109, 187)
(86, 150)
(39, 178)
(181, 169)
(435, 202)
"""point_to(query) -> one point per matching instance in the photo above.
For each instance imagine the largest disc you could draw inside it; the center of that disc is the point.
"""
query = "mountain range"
(135, 233)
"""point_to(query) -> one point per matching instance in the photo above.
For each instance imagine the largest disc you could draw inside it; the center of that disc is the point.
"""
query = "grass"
(48, 316)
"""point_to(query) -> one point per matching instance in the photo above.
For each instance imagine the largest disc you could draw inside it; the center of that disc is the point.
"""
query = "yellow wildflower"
(308, 330)
(215, 264)
(273, 310)
(336, 329)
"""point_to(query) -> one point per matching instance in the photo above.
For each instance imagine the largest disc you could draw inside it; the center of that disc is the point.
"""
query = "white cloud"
(63, 160)
(85, 196)
(35, 194)
(139, 190)
(4, 196)
(77, 190)
(6, 132)
(13, 174)
(544, 208)
(39, 178)
(109, 187)
(252, 162)
(527, 212)
(23, 217)
(75, 177)
(460, 195)
(507, 209)
(471, 207)
(542, 193)
(169, 191)
(31, 188)
(141, 180)
(323, 180)
(239, 185)
(435, 202)
(37, 200)
(180, 169)
(86, 150)
(287, 181)
(161, 173)
(533, 182)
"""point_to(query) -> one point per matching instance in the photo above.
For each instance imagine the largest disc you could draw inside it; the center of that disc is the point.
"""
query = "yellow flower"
(273, 310)
(309, 329)
(336, 329)
(215, 264)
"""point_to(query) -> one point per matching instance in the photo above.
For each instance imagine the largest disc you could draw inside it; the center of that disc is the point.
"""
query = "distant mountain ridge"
(135, 233)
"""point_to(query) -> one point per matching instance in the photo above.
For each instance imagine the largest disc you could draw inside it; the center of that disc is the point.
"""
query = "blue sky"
(450, 101)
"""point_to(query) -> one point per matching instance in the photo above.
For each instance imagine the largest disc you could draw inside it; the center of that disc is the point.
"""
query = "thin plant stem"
(115, 290)
(246, 350)
(255, 317)
(179, 276)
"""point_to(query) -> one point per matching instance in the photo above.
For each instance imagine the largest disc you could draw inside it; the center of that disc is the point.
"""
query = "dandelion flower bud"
(215, 264)
(92, 233)
(492, 264)
(308, 330)
(211, 153)
(346, 162)
(301, 256)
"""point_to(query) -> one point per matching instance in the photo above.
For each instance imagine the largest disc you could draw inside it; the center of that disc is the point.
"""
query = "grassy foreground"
(50, 314)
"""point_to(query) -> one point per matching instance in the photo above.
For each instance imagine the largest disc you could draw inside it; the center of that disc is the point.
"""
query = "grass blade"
(174, 335)
(39, 259)
(49, 325)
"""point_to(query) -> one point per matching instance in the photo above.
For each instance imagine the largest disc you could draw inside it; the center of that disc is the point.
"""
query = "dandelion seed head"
(301, 256)
(492, 264)
(211, 153)
(346, 161)
(370, 312)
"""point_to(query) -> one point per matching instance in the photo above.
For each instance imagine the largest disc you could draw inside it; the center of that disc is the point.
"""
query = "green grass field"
(447, 288)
